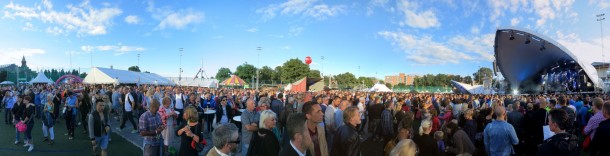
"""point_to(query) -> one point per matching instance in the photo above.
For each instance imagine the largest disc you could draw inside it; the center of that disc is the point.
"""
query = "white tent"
(379, 88)
(41, 78)
(99, 75)
(7, 83)
(472, 89)
(195, 82)
(288, 87)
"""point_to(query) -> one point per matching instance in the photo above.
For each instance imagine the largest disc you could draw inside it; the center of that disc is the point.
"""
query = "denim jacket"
(499, 136)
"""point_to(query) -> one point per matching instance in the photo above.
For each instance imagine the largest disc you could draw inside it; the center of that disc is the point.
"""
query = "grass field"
(79, 146)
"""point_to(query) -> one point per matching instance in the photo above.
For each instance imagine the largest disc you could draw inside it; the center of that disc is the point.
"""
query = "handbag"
(546, 129)
(21, 127)
(198, 146)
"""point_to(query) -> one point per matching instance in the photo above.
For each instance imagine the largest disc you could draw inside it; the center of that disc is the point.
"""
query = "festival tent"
(472, 89)
(41, 78)
(234, 80)
(288, 87)
(7, 83)
(308, 84)
(379, 88)
(99, 75)
(195, 82)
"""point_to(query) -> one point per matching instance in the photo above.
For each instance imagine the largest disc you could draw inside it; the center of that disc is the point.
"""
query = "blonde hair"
(427, 125)
(405, 147)
(191, 114)
(267, 114)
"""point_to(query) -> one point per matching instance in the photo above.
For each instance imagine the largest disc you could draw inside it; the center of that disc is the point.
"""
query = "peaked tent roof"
(234, 80)
(380, 88)
(99, 75)
(472, 89)
(6, 83)
(41, 78)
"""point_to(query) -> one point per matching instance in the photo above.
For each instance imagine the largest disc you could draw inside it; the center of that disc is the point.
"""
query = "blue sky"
(383, 37)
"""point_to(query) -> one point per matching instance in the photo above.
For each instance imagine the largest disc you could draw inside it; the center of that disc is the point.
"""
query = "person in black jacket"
(300, 140)
(425, 142)
(347, 141)
(99, 129)
(17, 115)
(224, 110)
(599, 144)
(264, 142)
(562, 143)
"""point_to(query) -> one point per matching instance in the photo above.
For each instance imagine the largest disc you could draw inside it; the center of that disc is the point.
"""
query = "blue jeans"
(17, 135)
(28, 131)
(244, 149)
(8, 116)
(38, 111)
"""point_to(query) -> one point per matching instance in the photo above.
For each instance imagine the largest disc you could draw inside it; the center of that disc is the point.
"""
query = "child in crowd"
(439, 137)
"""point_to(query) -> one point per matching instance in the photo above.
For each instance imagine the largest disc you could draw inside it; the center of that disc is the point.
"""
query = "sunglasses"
(235, 142)
(224, 99)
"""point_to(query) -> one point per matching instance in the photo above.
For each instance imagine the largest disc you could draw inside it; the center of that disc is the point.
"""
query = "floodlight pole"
(259, 64)
(180, 72)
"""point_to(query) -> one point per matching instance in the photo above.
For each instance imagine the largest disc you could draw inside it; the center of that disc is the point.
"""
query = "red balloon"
(308, 60)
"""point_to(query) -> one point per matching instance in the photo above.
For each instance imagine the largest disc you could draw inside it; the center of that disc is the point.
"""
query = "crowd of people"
(269, 122)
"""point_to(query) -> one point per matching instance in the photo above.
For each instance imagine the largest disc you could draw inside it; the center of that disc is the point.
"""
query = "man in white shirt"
(361, 109)
(128, 114)
(179, 105)
(329, 120)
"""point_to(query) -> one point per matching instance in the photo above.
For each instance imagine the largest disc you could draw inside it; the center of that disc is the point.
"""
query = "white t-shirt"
(179, 104)
(361, 109)
(128, 100)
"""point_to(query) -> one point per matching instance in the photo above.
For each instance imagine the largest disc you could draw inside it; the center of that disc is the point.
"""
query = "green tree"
(482, 73)
(368, 82)
(468, 79)
(134, 68)
(294, 69)
(3, 76)
(277, 74)
(388, 85)
(346, 80)
(266, 74)
(401, 86)
(314, 74)
(246, 71)
(223, 74)
(83, 75)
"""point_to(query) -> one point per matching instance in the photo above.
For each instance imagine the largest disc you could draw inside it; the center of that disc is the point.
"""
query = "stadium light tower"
(601, 18)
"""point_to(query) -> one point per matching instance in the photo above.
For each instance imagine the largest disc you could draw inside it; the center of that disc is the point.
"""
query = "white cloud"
(374, 4)
(82, 19)
(132, 19)
(425, 19)
(515, 21)
(423, 50)
(480, 46)
(28, 27)
(55, 31)
(117, 49)
(286, 47)
(177, 19)
(304, 8)
(13, 55)
(475, 30)
(602, 4)
(295, 31)
(587, 51)
(252, 30)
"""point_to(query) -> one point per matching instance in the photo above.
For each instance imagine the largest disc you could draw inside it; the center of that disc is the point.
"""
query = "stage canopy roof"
(41, 78)
(523, 55)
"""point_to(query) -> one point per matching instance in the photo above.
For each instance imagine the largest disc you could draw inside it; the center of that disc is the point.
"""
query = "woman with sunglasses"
(224, 113)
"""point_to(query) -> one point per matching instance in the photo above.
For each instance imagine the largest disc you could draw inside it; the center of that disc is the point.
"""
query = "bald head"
(500, 112)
